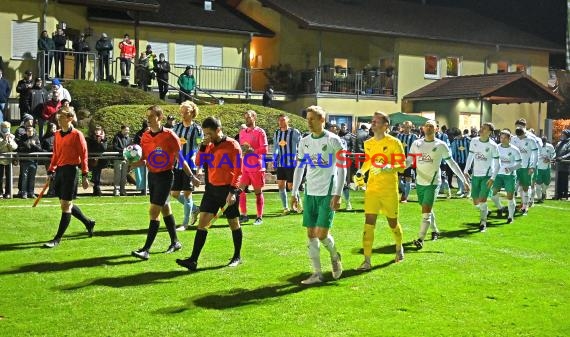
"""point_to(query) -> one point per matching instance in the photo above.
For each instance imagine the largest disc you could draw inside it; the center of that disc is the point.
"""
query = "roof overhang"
(494, 88)
(142, 6)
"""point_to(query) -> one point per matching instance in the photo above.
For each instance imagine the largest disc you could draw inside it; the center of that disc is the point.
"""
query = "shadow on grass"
(44, 267)
(241, 297)
(39, 244)
(132, 280)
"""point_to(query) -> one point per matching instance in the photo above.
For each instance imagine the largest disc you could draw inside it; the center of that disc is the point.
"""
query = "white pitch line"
(554, 207)
(78, 204)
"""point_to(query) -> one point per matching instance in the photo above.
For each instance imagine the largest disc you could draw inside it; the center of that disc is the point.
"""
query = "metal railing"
(56, 63)
(325, 80)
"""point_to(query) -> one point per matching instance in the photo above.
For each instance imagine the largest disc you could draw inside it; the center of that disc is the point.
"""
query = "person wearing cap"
(510, 161)
(7, 144)
(104, 46)
(484, 157)
(4, 94)
(162, 69)
(529, 158)
(27, 120)
(56, 85)
(562, 165)
(128, 53)
(145, 66)
(80, 48)
(187, 83)
(23, 88)
(426, 155)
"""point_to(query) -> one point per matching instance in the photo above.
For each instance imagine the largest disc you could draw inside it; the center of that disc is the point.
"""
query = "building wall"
(411, 54)
(75, 17)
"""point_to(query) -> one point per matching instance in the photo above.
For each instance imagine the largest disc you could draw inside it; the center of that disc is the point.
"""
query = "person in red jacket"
(128, 53)
(49, 111)
(69, 152)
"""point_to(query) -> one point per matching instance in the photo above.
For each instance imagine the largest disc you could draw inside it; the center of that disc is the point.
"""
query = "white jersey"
(318, 156)
(528, 149)
(485, 156)
(509, 157)
(545, 155)
(428, 157)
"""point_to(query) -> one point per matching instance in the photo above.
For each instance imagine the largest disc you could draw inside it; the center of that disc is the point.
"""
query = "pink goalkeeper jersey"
(257, 139)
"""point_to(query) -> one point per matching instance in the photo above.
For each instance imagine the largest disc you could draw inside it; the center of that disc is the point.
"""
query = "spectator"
(120, 167)
(63, 93)
(7, 144)
(162, 68)
(563, 168)
(47, 145)
(23, 88)
(27, 120)
(361, 135)
(104, 48)
(27, 144)
(140, 177)
(268, 96)
(146, 64)
(36, 98)
(4, 95)
(59, 40)
(49, 111)
(80, 48)
(45, 48)
(128, 53)
(187, 83)
(96, 144)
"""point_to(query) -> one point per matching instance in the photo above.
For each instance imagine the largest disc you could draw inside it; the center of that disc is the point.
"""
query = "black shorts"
(159, 185)
(285, 173)
(408, 173)
(215, 198)
(65, 182)
(182, 182)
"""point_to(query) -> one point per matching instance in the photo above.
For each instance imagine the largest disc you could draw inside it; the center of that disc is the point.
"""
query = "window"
(160, 47)
(212, 56)
(453, 66)
(341, 119)
(340, 66)
(24, 40)
(185, 54)
(431, 69)
(502, 67)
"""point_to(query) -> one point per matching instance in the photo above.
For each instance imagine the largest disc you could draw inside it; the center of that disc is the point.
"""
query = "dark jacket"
(162, 68)
(59, 41)
(4, 90)
(23, 88)
(45, 44)
(27, 144)
(104, 46)
(81, 45)
(120, 142)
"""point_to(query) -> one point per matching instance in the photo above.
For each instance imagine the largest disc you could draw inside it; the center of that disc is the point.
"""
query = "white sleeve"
(297, 178)
(496, 165)
(469, 161)
(456, 170)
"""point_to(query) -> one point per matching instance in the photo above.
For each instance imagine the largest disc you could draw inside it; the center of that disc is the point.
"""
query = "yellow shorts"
(385, 202)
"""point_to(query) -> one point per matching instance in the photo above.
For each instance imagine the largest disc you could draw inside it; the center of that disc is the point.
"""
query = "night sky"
(545, 18)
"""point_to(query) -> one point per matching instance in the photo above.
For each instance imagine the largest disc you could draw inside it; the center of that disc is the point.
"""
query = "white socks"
(483, 211)
(315, 254)
(426, 223)
(497, 200)
(512, 206)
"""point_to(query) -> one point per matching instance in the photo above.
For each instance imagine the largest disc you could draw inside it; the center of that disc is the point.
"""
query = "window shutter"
(24, 39)
(185, 54)
(160, 47)
(212, 56)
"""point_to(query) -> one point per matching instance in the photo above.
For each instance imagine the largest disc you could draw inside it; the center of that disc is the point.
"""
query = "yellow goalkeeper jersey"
(385, 158)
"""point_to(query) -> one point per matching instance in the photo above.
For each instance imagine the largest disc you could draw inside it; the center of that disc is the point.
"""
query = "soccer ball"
(132, 153)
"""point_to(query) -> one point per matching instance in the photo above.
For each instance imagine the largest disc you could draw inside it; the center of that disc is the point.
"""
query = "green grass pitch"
(512, 280)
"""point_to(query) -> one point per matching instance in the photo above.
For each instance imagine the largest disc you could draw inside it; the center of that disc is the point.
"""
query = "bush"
(92, 96)
(557, 126)
(111, 118)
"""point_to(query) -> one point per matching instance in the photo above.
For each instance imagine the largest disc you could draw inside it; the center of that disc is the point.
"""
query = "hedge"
(111, 118)
(92, 96)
